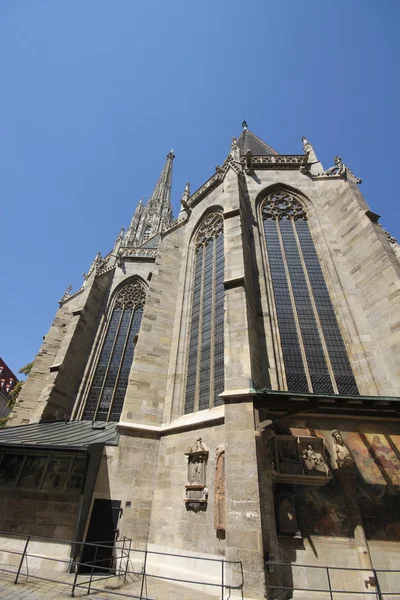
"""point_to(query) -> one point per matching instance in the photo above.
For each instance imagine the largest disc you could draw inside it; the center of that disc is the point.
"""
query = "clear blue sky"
(94, 93)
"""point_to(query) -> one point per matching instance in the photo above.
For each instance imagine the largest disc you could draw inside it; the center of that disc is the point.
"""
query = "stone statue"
(314, 460)
(342, 455)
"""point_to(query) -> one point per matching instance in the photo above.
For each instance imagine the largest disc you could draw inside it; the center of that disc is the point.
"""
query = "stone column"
(243, 518)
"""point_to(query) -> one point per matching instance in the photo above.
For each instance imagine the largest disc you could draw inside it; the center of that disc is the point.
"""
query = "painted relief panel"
(377, 456)
(309, 510)
(371, 452)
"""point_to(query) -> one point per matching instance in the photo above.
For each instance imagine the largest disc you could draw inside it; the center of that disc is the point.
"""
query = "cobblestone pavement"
(40, 589)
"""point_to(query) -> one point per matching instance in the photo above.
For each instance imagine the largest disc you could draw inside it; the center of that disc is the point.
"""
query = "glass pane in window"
(32, 472)
(10, 467)
(56, 473)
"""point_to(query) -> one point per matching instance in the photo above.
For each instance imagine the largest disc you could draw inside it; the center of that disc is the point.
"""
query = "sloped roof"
(152, 242)
(67, 435)
(249, 141)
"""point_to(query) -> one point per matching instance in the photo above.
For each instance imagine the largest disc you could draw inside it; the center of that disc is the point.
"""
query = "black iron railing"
(371, 579)
(124, 560)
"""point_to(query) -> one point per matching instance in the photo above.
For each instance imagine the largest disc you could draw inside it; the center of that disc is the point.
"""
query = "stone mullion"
(198, 362)
(278, 354)
(100, 342)
(212, 338)
(120, 362)
(109, 361)
(316, 315)
(39, 487)
(20, 470)
(296, 317)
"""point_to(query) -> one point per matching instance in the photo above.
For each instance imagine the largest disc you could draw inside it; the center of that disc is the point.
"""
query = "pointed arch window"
(107, 390)
(314, 353)
(205, 371)
(146, 235)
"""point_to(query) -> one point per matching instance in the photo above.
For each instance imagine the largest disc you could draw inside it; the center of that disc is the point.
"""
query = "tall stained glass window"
(313, 349)
(205, 370)
(107, 390)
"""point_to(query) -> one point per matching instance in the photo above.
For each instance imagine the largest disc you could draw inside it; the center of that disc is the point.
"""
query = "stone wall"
(172, 525)
(127, 474)
(144, 400)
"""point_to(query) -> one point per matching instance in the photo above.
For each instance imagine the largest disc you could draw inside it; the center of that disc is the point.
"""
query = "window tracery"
(146, 235)
(314, 354)
(205, 370)
(108, 387)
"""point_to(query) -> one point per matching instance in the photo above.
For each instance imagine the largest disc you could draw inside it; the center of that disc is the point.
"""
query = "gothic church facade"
(228, 380)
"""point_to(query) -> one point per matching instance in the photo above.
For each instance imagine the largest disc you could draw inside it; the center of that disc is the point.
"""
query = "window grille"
(110, 381)
(313, 349)
(205, 370)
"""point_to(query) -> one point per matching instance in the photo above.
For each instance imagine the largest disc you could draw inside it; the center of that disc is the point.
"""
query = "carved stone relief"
(219, 490)
(196, 491)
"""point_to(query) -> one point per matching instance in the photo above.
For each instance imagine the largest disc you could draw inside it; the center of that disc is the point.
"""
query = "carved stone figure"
(314, 460)
(342, 455)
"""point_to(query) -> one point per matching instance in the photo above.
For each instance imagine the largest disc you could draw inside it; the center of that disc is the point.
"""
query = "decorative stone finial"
(244, 124)
(66, 294)
(309, 151)
(186, 196)
(235, 150)
(249, 161)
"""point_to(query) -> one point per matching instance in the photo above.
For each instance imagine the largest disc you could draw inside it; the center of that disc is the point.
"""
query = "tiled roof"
(71, 435)
(249, 141)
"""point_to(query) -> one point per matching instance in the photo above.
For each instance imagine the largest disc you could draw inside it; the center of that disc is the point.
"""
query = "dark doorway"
(103, 529)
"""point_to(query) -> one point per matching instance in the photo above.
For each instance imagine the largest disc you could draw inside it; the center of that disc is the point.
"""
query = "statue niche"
(196, 490)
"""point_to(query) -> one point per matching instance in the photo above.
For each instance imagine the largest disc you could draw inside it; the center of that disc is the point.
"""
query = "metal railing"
(123, 560)
(371, 574)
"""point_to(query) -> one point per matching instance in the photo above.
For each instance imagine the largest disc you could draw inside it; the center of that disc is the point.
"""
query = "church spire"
(156, 214)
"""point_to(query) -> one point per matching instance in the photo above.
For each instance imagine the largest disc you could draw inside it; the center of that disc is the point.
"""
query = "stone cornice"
(140, 253)
(233, 283)
(204, 418)
(281, 161)
(234, 212)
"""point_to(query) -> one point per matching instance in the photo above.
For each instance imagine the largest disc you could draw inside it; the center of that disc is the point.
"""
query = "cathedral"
(225, 386)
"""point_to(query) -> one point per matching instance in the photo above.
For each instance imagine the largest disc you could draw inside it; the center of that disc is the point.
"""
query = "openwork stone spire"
(156, 214)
